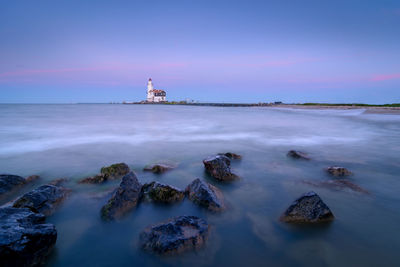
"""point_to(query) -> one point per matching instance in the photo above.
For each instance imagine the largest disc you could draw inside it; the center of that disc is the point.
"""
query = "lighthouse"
(150, 88)
(154, 95)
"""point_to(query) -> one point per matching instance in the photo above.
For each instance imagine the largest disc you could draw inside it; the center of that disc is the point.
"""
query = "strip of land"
(369, 109)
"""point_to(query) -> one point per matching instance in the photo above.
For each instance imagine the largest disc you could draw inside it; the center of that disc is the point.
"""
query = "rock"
(32, 178)
(44, 199)
(158, 192)
(219, 168)
(97, 179)
(338, 184)
(338, 171)
(123, 199)
(115, 171)
(298, 155)
(111, 172)
(9, 183)
(158, 168)
(205, 195)
(309, 208)
(25, 238)
(231, 155)
(176, 235)
(59, 181)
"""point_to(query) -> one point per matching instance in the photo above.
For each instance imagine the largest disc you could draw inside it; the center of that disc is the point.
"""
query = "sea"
(74, 141)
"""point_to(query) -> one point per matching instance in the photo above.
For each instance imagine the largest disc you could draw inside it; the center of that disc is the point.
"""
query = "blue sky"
(219, 51)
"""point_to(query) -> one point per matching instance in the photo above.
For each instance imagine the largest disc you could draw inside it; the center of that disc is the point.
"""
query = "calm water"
(75, 141)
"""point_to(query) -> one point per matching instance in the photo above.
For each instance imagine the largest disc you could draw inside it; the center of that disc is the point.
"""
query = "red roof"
(158, 91)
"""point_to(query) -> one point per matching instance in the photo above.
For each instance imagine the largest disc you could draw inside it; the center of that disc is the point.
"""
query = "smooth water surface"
(75, 141)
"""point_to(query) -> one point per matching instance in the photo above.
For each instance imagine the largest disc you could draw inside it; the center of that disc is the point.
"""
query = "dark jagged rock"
(123, 199)
(158, 168)
(9, 183)
(338, 171)
(115, 171)
(219, 168)
(44, 199)
(309, 208)
(298, 155)
(205, 195)
(338, 184)
(231, 155)
(25, 238)
(158, 192)
(32, 178)
(97, 179)
(176, 235)
(111, 172)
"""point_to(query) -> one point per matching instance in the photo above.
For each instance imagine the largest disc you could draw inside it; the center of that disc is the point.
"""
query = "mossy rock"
(158, 192)
(115, 171)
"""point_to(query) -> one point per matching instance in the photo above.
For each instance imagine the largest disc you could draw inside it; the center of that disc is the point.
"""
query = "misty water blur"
(75, 141)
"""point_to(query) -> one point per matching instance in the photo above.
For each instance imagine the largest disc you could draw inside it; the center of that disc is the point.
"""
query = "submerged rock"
(97, 179)
(205, 195)
(59, 181)
(298, 155)
(25, 238)
(158, 168)
(159, 192)
(9, 183)
(176, 235)
(338, 184)
(231, 155)
(32, 178)
(115, 171)
(111, 172)
(44, 199)
(123, 199)
(338, 171)
(219, 168)
(309, 208)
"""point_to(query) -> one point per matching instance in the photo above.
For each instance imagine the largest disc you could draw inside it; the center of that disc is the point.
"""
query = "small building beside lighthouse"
(155, 95)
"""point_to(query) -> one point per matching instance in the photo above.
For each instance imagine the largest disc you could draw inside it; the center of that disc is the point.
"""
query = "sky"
(71, 51)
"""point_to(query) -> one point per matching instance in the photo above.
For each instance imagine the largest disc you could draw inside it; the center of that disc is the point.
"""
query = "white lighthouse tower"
(150, 88)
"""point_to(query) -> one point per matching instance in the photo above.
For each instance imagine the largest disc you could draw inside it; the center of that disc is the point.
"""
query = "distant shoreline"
(369, 109)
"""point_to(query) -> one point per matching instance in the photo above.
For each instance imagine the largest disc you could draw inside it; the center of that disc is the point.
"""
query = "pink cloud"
(385, 77)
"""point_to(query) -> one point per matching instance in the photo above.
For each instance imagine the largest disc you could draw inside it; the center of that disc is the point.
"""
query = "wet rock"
(25, 238)
(123, 199)
(338, 171)
(115, 171)
(158, 192)
(97, 179)
(111, 172)
(205, 195)
(44, 199)
(158, 168)
(32, 178)
(298, 155)
(231, 155)
(9, 183)
(338, 184)
(309, 208)
(179, 234)
(219, 168)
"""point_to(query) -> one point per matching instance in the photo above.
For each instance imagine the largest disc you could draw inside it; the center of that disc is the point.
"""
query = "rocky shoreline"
(25, 238)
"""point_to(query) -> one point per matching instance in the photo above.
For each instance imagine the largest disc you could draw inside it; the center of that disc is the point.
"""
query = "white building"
(155, 95)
